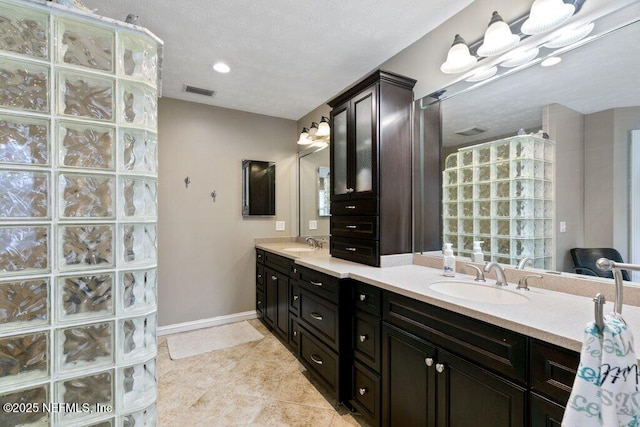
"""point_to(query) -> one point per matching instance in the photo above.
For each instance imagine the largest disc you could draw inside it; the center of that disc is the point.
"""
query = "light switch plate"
(563, 226)
(279, 225)
(313, 224)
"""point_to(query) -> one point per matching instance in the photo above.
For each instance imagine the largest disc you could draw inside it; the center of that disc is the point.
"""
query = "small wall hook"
(187, 181)
(213, 196)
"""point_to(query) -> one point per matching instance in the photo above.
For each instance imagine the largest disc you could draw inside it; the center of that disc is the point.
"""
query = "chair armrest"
(586, 271)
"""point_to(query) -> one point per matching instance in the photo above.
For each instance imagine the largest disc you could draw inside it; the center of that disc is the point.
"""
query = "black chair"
(584, 260)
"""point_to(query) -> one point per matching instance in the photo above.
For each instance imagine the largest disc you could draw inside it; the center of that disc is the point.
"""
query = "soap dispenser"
(477, 255)
(448, 261)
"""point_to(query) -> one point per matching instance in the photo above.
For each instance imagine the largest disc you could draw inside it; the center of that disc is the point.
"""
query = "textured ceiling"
(286, 56)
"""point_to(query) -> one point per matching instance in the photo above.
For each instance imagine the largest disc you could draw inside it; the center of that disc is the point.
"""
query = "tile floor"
(259, 384)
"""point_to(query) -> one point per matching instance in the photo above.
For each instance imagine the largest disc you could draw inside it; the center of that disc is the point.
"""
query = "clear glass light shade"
(481, 74)
(459, 59)
(570, 36)
(553, 60)
(546, 15)
(304, 137)
(323, 127)
(313, 130)
(518, 57)
(498, 38)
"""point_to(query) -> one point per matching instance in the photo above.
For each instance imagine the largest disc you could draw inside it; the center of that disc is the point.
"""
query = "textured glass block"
(137, 385)
(522, 209)
(523, 169)
(523, 228)
(539, 149)
(539, 228)
(548, 190)
(466, 192)
(92, 389)
(538, 209)
(137, 337)
(24, 304)
(85, 96)
(484, 155)
(502, 208)
(138, 57)
(466, 226)
(465, 244)
(36, 396)
(466, 209)
(138, 289)
(24, 31)
(139, 150)
(548, 228)
(549, 151)
(139, 197)
(548, 171)
(483, 209)
(86, 146)
(548, 247)
(86, 245)
(144, 418)
(466, 158)
(24, 140)
(503, 246)
(451, 194)
(523, 147)
(483, 191)
(502, 151)
(467, 175)
(483, 226)
(84, 297)
(539, 190)
(24, 195)
(24, 86)
(24, 249)
(137, 105)
(502, 170)
(450, 177)
(86, 196)
(85, 345)
(451, 226)
(139, 243)
(484, 173)
(522, 188)
(501, 227)
(106, 423)
(85, 45)
(451, 210)
(451, 161)
(24, 358)
(502, 189)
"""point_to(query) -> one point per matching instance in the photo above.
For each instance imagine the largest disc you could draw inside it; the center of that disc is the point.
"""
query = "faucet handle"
(522, 283)
(479, 273)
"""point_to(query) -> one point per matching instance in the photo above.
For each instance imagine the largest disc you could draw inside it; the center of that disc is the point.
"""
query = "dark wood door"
(282, 306)
(408, 382)
(544, 412)
(469, 396)
(270, 297)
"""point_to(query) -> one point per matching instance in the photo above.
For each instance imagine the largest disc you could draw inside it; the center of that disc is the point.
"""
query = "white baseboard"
(206, 323)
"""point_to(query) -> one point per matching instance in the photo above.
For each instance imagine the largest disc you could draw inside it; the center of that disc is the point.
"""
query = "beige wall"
(206, 250)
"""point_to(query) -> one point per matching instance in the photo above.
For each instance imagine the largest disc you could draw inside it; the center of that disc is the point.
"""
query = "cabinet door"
(282, 306)
(270, 297)
(545, 413)
(339, 153)
(407, 379)
(364, 151)
(469, 396)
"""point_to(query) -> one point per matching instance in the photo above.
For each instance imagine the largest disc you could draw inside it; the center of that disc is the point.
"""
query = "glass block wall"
(501, 192)
(78, 214)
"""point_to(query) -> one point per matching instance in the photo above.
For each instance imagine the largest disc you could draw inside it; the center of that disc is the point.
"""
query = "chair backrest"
(584, 260)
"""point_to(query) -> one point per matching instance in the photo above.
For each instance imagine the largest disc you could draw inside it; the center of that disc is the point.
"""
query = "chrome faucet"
(315, 243)
(479, 273)
(524, 262)
(523, 284)
(501, 280)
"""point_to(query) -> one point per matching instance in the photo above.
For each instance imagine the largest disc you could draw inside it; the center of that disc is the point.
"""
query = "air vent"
(474, 130)
(199, 90)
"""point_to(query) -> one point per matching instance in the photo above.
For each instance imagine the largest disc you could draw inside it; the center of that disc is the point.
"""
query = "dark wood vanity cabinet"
(273, 289)
(371, 169)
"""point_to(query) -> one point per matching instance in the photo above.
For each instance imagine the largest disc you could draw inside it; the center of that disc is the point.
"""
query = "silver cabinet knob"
(259, 276)
(439, 368)
(259, 302)
(429, 361)
(363, 338)
(363, 391)
(295, 333)
(274, 278)
(295, 270)
(295, 297)
(316, 359)
(363, 297)
(316, 316)
(318, 284)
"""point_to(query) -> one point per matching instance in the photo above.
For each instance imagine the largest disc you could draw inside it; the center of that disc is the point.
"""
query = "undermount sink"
(298, 249)
(478, 292)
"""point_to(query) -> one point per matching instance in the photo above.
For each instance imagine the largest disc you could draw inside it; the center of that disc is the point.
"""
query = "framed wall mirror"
(258, 188)
(588, 106)
(314, 188)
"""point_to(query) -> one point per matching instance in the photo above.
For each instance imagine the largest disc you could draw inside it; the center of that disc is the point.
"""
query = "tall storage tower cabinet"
(78, 214)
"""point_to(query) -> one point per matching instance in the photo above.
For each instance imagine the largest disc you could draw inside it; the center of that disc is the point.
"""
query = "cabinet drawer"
(277, 262)
(553, 370)
(319, 359)
(357, 250)
(260, 256)
(355, 207)
(362, 227)
(367, 298)
(319, 283)
(490, 346)
(294, 298)
(320, 317)
(260, 303)
(259, 275)
(366, 392)
(366, 339)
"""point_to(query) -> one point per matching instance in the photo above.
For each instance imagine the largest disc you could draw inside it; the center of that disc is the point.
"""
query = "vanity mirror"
(314, 173)
(588, 105)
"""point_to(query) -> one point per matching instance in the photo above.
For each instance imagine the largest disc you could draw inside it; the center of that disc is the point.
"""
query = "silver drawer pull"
(351, 227)
(259, 276)
(316, 316)
(259, 302)
(295, 270)
(439, 368)
(350, 249)
(295, 297)
(350, 207)
(363, 338)
(316, 359)
(274, 278)
(350, 190)
(319, 284)
(363, 391)
(363, 297)
(429, 361)
(295, 333)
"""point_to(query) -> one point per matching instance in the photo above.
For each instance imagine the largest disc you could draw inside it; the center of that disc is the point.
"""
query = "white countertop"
(554, 317)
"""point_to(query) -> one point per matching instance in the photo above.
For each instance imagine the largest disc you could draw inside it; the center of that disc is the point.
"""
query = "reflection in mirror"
(314, 189)
(589, 105)
(258, 188)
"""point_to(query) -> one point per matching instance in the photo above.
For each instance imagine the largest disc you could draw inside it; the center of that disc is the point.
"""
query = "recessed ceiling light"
(551, 61)
(221, 67)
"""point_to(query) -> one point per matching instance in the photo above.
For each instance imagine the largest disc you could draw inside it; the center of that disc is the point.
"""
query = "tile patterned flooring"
(258, 384)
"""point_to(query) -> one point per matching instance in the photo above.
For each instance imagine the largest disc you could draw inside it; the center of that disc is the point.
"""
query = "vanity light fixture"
(570, 36)
(459, 59)
(498, 38)
(221, 67)
(482, 73)
(547, 15)
(313, 130)
(518, 57)
(323, 127)
(552, 60)
(304, 137)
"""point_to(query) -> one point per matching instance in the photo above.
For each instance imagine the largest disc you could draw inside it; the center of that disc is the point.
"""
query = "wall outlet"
(313, 225)
(279, 225)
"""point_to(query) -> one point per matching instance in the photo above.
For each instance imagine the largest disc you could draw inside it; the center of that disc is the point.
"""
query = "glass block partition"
(78, 214)
(501, 192)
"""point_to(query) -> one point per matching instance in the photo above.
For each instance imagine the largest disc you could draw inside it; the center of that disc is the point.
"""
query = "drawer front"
(318, 283)
(320, 317)
(357, 250)
(319, 359)
(259, 275)
(490, 346)
(366, 339)
(367, 298)
(355, 207)
(277, 262)
(294, 297)
(553, 370)
(366, 392)
(260, 303)
(362, 227)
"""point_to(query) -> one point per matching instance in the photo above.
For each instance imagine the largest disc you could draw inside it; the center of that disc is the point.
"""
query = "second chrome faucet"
(501, 280)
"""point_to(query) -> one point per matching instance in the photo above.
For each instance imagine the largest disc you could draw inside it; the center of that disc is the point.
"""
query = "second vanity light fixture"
(316, 133)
